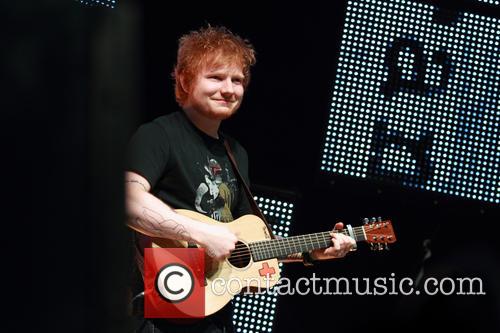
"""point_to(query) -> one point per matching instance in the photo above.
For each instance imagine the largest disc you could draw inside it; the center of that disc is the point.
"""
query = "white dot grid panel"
(256, 312)
(105, 3)
(492, 2)
(415, 99)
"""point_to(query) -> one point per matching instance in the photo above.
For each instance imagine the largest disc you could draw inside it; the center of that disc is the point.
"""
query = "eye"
(215, 77)
(238, 81)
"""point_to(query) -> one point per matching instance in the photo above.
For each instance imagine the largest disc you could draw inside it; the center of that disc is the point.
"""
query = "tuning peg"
(374, 219)
(380, 246)
(379, 219)
(386, 247)
(366, 220)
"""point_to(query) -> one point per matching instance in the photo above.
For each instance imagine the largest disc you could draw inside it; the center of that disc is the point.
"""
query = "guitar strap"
(251, 200)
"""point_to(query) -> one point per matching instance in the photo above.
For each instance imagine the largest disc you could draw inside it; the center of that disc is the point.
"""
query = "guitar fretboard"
(281, 248)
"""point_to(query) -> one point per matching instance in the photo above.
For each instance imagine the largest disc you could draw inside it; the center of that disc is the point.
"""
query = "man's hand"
(218, 241)
(342, 244)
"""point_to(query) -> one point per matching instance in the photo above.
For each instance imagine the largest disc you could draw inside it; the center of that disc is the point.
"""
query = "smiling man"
(179, 161)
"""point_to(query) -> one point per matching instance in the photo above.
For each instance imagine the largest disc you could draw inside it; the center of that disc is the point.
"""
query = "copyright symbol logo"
(174, 283)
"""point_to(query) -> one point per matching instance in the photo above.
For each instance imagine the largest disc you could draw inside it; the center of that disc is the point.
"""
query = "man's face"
(217, 91)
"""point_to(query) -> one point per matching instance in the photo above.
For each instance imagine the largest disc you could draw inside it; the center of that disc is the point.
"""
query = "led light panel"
(491, 2)
(257, 312)
(415, 99)
(105, 3)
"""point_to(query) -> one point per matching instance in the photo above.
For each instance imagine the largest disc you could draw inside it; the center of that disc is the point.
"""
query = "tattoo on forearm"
(137, 182)
(155, 223)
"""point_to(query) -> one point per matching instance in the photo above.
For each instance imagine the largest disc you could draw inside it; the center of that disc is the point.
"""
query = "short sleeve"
(148, 152)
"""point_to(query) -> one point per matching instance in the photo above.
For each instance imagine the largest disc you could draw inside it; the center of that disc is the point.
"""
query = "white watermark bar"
(379, 286)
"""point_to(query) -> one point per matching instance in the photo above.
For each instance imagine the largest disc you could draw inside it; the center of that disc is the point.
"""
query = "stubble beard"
(215, 115)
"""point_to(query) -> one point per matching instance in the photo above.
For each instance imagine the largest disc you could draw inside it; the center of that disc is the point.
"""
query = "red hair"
(209, 46)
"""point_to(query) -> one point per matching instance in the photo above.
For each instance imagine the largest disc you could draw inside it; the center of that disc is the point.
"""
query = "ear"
(182, 82)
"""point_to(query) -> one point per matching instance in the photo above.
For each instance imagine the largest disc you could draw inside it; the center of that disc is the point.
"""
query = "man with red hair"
(180, 161)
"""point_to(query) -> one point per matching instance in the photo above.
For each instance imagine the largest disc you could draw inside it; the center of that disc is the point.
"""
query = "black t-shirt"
(189, 169)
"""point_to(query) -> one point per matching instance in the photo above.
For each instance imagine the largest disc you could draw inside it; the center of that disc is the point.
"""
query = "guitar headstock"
(379, 233)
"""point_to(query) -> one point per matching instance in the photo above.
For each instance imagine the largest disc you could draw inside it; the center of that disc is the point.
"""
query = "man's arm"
(151, 216)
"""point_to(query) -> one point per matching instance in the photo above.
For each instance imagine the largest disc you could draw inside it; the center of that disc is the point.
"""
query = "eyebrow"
(221, 71)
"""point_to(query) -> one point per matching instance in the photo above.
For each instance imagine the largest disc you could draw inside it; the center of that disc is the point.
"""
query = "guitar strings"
(293, 241)
(267, 247)
(271, 247)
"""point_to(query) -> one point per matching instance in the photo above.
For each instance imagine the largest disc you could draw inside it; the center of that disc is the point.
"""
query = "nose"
(227, 87)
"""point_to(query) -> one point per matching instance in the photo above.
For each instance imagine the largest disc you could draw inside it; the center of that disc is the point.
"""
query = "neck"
(281, 248)
(203, 123)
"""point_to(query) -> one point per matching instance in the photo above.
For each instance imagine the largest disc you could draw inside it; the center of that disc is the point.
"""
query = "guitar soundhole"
(241, 256)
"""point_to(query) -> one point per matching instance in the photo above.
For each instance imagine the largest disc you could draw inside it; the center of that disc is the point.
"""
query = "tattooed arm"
(151, 216)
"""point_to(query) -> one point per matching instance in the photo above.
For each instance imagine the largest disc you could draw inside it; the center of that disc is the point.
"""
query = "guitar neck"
(281, 248)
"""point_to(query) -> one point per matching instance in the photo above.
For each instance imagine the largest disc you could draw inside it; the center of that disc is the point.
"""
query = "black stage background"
(81, 79)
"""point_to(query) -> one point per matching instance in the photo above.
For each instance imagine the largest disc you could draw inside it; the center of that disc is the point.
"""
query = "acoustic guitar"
(254, 261)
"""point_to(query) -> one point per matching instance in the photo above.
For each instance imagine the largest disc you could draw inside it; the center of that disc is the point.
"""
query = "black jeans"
(163, 326)
(219, 322)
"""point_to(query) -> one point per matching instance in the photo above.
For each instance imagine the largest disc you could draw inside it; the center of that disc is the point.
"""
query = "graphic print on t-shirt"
(216, 194)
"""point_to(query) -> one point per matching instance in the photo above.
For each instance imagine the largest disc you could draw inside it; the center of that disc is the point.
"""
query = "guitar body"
(240, 273)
